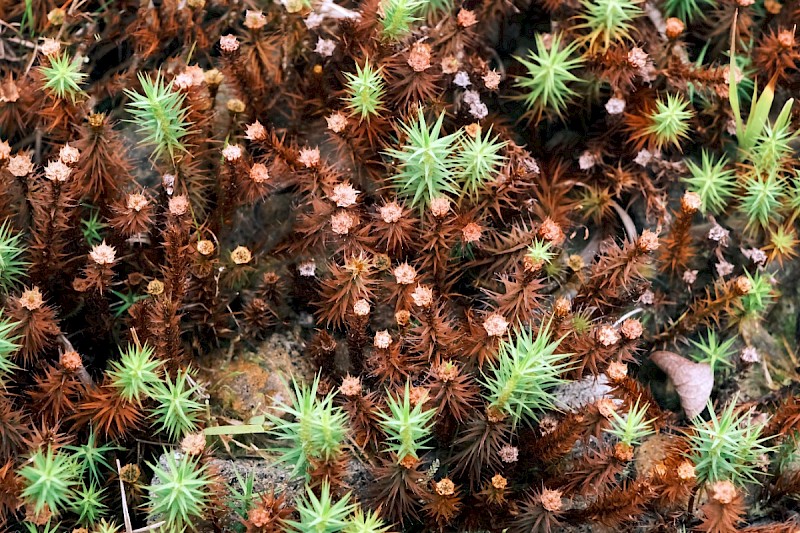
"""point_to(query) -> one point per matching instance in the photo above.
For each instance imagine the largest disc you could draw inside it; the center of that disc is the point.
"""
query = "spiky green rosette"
(669, 121)
(180, 490)
(12, 266)
(323, 513)
(711, 181)
(632, 427)
(407, 428)
(520, 383)
(426, 165)
(49, 479)
(365, 90)
(608, 21)
(478, 161)
(177, 411)
(713, 351)
(398, 16)
(727, 447)
(547, 85)
(159, 114)
(313, 430)
(62, 76)
(135, 375)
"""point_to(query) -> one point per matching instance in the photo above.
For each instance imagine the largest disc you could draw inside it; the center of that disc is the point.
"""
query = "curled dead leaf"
(693, 381)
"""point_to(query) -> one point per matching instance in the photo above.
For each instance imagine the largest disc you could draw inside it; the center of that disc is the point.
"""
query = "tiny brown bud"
(551, 231)
(786, 38)
(551, 500)
(743, 285)
(445, 487)
(155, 287)
(241, 255)
(499, 482)
(648, 242)
(575, 262)
(408, 462)
(562, 307)
(690, 202)
(623, 451)
(631, 329)
(71, 361)
(723, 492)
(616, 371)
(674, 27)
(235, 105)
(57, 16)
(402, 317)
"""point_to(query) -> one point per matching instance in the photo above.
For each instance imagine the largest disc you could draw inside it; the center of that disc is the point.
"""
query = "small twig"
(627, 222)
(627, 315)
(38, 147)
(335, 11)
(135, 338)
(83, 374)
(657, 19)
(152, 527)
(767, 376)
(126, 516)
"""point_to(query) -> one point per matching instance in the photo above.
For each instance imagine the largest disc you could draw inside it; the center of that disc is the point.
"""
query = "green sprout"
(609, 20)
(316, 430)
(105, 527)
(160, 115)
(755, 302)
(772, 147)
(792, 201)
(540, 253)
(398, 16)
(49, 479)
(426, 168)
(242, 497)
(747, 133)
(8, 347)
(761, 199)
(360, 522)
(726, 447)
(550, 72)
(49, 527)
(407, 429)
(365, 90)
(321, 514)
(438, 6)
(92, 227)
(177, 411)
(669, 121)
(782, 243)
(88, 504)
(12, 266)
(688, 10)
(179, 492)
(478, 161)
(632, 428)
(63, 76)
(135, 375)
(90, 458)
(713, 352)
(527, 369)
(126, 301)
(712, 182)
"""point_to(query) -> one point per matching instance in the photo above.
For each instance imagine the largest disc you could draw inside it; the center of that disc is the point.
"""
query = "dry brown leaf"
(693, 381)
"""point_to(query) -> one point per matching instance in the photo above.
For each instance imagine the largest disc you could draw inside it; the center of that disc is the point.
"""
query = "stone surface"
(253, 382)
(576, 394)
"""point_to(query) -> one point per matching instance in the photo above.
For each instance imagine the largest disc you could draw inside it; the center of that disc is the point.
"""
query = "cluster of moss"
(469, 211)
